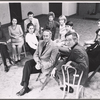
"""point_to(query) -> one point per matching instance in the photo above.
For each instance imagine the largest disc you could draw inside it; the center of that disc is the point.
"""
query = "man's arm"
(80, 62)
(25, 26)
(37, 27)
(3, 39)
(36, 55)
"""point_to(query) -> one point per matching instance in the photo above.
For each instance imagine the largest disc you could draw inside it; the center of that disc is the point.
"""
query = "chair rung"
(76, 75)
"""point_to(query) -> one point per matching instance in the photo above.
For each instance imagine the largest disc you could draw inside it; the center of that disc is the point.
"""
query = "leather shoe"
(23, 91)
(71, 90)
(6, 69)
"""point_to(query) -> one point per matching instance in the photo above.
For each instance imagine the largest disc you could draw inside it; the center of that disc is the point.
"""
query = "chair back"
(67, 77)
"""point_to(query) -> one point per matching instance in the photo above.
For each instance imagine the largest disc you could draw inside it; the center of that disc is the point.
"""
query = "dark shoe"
(6, 69)
(71, 90)
(16, 62)
(23, 91)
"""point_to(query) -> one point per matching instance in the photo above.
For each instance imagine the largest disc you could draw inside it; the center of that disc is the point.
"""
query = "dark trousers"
(4, 53)
(29, 69)
(31, 50)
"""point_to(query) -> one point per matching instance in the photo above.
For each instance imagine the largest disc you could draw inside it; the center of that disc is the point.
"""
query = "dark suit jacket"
(94, 56)
(79, 59)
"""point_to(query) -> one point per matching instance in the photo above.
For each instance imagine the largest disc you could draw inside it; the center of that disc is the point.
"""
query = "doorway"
(56, 8)
(15, 11)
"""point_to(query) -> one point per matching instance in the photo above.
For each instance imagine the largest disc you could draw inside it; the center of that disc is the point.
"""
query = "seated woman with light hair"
(62, 30)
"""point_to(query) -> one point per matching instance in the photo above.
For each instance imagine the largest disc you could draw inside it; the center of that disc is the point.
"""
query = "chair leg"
(38, 77)
(45, 82)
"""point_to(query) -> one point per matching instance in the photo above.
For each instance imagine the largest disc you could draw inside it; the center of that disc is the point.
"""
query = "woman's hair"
(51, 14)
(62, 17)
(30, 24)
(30, 13)
(12, 19)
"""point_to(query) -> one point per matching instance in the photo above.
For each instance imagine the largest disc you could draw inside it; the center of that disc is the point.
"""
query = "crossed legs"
(28, 69)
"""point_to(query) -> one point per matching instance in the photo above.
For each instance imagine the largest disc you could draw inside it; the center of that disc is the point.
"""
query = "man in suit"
(4, 50)
(77, 58)
(94, 53)
(43, 59)
(32, 20)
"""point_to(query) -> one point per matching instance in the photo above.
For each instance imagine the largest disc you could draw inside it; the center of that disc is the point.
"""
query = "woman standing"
(52, 24)
(17, 41)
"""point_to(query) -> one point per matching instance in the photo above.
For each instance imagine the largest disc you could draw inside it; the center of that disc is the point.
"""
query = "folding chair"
(66, 81)
(49, 74)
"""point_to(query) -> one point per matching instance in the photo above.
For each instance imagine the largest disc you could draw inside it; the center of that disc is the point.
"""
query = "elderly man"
(77, 58)
(44, 58)
(32, 20)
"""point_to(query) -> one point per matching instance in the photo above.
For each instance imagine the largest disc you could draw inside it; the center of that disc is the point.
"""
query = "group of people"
(45, 48)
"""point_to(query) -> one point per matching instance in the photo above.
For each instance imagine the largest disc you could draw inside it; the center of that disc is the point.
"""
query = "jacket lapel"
(46, 49)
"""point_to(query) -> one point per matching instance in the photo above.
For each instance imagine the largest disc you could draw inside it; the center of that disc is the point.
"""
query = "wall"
(4, 13)
(36, 8)
(69, 8)
(45, 8)
(89, 8)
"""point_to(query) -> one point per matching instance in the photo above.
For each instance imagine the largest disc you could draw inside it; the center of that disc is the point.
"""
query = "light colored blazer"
(35, 22)
(48, 57)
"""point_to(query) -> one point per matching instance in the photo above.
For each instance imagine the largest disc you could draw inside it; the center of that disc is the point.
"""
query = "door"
(86, 8)
(56, 8)
(15, 11)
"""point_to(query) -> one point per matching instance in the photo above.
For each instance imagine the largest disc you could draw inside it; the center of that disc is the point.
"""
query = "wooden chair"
(66, 81)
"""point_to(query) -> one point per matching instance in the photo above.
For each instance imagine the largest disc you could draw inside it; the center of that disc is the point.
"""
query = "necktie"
(30, 21)
(43, 48)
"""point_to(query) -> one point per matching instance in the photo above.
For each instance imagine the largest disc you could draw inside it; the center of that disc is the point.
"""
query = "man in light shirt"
(32, 20)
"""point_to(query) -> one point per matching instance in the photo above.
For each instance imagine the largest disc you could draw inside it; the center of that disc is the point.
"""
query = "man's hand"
(38, 66)
(53, 72)
(68, 64)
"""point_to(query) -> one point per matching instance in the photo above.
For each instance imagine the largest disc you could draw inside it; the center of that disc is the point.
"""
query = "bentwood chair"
(72, 82)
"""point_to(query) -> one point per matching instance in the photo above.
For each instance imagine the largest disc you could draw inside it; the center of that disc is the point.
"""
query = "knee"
(27, 63)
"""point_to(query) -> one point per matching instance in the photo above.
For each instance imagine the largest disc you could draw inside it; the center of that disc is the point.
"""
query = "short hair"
(30, 13)
(62, 17)
(51, 14)
(12, 19)
(30, 24)
(70, 23)
(47, 30)
(74, 35)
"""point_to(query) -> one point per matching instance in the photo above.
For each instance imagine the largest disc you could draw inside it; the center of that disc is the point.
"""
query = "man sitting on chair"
(77, 58)
(93, 52)
(43, 59)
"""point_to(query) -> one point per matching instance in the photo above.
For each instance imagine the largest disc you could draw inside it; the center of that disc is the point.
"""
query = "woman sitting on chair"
(31, 39)
(17, 41)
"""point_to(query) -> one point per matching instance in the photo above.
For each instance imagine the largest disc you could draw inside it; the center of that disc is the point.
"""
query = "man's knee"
(27, 63)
